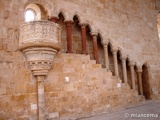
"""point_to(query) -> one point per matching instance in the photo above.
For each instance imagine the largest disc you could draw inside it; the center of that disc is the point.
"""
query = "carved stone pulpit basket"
(40, 41)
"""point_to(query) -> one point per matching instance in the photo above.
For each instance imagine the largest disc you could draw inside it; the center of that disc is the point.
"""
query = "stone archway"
(145, 82)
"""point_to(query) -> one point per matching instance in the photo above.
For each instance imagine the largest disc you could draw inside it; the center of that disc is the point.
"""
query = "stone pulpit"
(39, 41)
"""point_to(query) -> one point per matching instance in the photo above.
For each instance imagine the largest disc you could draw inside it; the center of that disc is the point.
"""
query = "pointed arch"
(78, 17)
(120, 52)
(61, 22)
(110, 44)
(101, 37)
(119, 56)
(62, 11)
(90, 28)
(76, 35)
(100, 50)
(110, 57)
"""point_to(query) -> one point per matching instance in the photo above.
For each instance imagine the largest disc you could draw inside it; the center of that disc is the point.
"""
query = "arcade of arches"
(74, 59)
(82, 41)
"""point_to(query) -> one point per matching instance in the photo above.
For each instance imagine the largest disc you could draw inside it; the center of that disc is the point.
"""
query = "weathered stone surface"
(75, 86)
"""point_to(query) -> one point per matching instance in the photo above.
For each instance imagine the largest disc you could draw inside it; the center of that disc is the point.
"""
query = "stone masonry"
(106, 57)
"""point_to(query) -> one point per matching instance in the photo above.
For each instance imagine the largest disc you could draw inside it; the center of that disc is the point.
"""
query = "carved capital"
(114, 51)
(83, 25)
(69, 23)
(40, 67)
(139, 69)
(131, 63)
(123, 58)
(53, 19)
(104, 43)
(94, 34)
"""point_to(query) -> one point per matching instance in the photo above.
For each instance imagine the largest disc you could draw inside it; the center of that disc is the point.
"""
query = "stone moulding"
(40, 41)
(40, 59)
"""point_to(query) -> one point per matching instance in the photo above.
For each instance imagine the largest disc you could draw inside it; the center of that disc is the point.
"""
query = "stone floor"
(150, 109)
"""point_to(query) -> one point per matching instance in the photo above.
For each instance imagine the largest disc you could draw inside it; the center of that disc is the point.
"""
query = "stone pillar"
(123, 59)
(95, 47)
(106, 58)
(41, 101)
(83, 33)
(114, 51)
(131, 64)
(139, 72)
(53, 19)
(69, 36)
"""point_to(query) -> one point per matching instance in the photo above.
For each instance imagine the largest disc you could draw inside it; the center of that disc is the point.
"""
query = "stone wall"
(129, 25)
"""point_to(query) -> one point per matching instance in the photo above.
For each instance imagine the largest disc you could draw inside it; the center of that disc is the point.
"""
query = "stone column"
(83, 33)
(95, 47)
(114, 51)
(106, 58)
(131, 64)
(69, 36)
(123, 59)
(53, 19)
(139, 72)
(41, 102)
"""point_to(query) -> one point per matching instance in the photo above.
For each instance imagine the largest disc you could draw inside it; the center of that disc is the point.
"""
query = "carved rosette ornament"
(39, 41)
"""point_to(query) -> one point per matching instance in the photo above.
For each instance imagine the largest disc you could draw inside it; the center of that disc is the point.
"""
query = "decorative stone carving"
(39, 33)
(39, 41)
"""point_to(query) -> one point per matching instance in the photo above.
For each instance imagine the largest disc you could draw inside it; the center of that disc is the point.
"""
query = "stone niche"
(39, 41)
